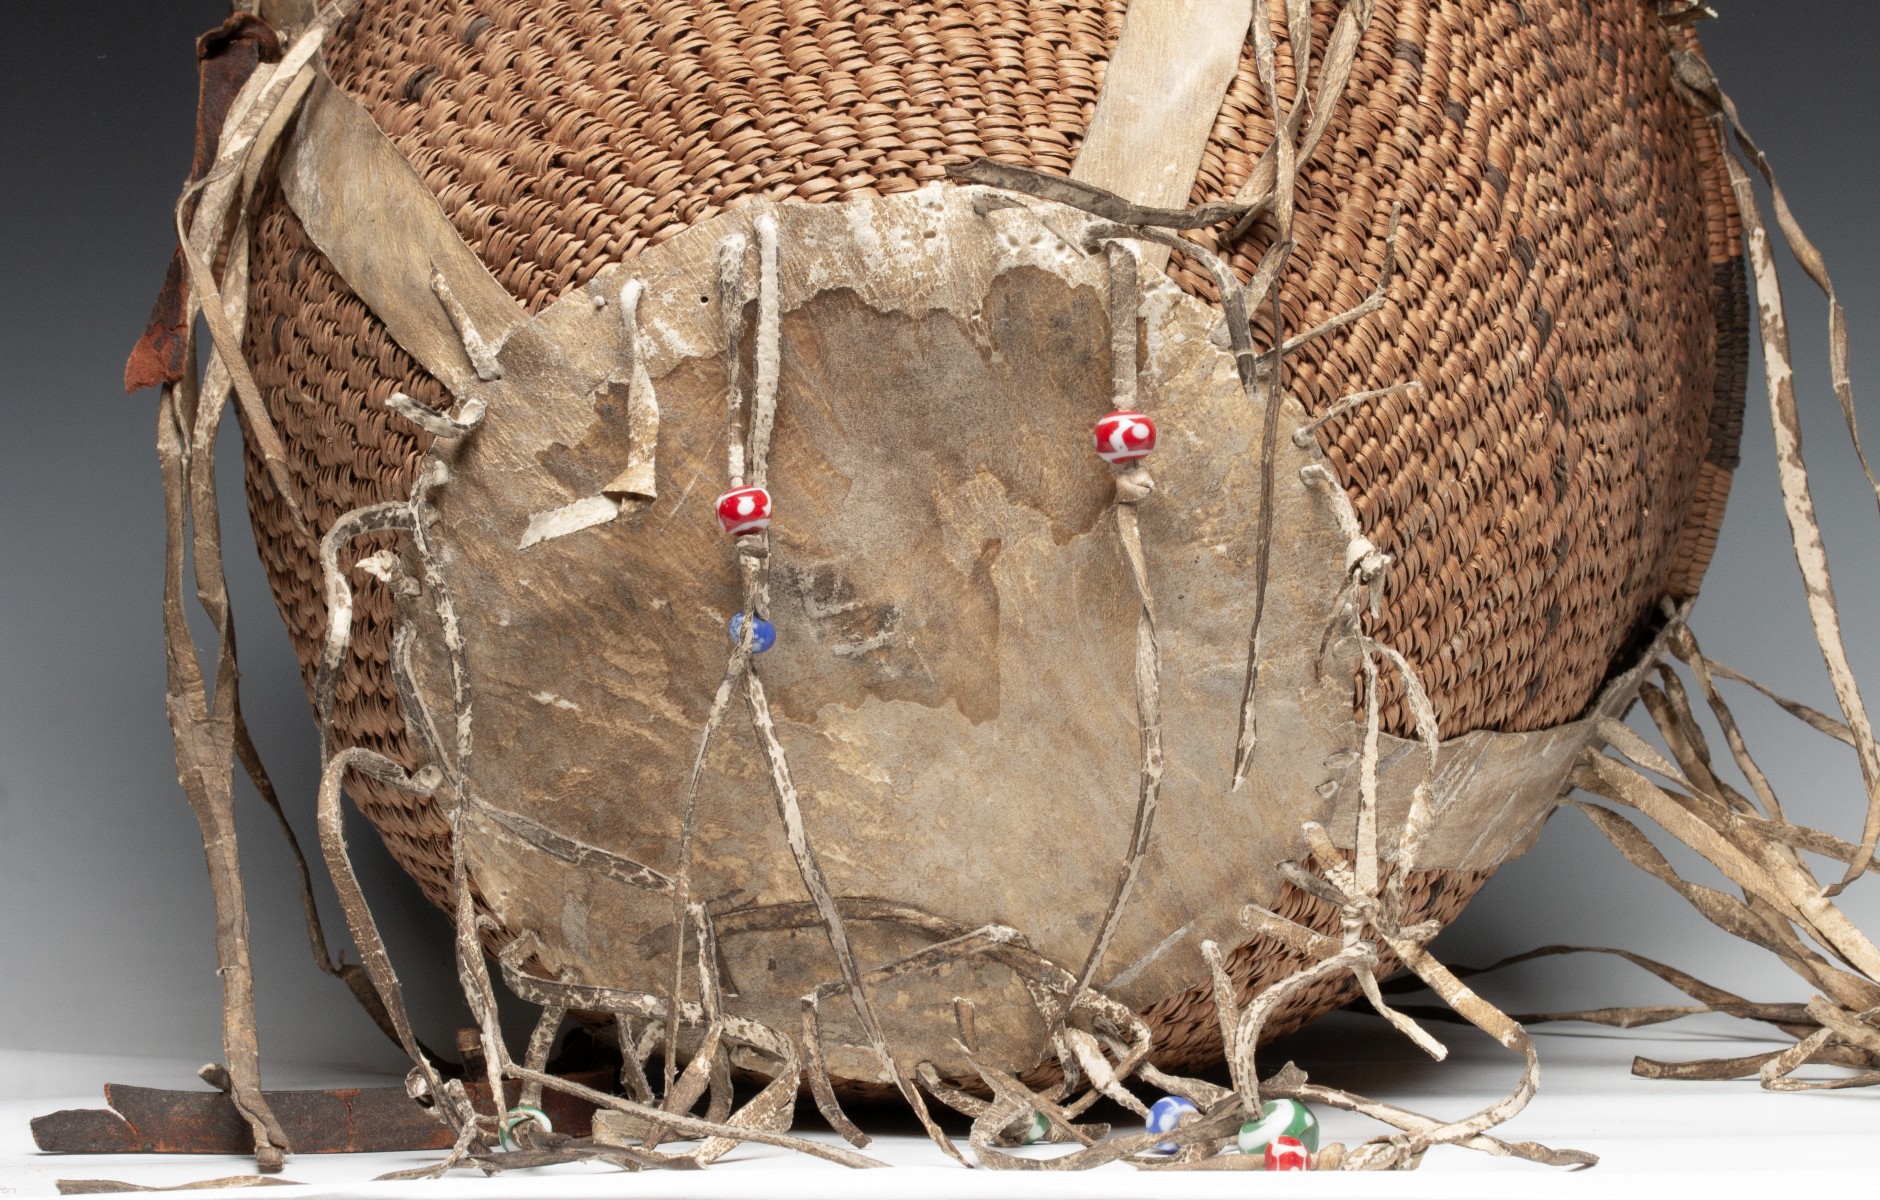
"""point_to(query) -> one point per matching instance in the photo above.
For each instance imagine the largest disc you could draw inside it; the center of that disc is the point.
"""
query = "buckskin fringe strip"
(1778, 372)
(1101, 1045)
(1133, 485)
(1784, 907)
(205, 719)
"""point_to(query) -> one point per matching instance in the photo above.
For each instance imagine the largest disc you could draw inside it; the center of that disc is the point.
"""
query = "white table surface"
(1655, 1139)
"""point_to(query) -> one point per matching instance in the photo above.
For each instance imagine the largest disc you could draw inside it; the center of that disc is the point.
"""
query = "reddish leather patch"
(226, 57)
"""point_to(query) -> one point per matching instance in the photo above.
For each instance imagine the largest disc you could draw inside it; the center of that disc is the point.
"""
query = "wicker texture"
(1568, 293)
(1564, 217)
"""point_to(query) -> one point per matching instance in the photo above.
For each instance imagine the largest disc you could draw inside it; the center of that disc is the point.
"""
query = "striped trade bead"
(1287, 1154)
(518, 1117)
(744, 510)
(1034, 1129)
(1280, 1118)
(1125, 437)
(1164, 1115)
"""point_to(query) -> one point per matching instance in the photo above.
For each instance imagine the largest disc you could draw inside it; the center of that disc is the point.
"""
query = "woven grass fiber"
(1570, 294)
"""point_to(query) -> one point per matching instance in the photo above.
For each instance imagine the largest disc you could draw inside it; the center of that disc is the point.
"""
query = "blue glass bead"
(762, 638)
(1163, 1116)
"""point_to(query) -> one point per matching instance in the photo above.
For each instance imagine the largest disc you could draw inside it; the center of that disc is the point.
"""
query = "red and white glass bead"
(744, 510)
(1287, 1154)
(1125, 437)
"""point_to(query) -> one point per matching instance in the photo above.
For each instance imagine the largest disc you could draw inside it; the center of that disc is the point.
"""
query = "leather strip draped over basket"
(957, 626)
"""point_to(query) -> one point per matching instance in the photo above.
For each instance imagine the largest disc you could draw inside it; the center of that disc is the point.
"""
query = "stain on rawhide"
(586, 467)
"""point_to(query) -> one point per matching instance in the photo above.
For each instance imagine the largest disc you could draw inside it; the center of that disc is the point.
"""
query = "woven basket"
(1570, 298)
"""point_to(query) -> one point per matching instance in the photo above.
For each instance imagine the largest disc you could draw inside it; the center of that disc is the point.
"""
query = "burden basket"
(891, 503)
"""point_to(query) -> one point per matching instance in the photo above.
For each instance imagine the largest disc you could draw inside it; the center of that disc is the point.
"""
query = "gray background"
(106, 936)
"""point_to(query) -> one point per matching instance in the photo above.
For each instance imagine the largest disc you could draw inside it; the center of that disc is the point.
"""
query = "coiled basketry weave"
(1569, 295)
